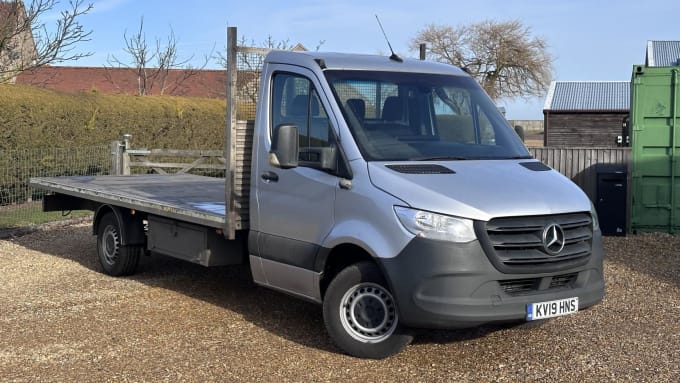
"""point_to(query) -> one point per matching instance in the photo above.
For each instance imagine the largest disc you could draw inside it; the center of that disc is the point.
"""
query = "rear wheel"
(361, 314)
(116, 259)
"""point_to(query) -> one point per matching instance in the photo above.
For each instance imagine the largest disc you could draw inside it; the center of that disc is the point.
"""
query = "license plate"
(551, 309)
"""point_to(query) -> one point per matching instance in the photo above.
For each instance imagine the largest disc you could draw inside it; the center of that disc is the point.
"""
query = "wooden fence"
(126, 161)
(164, 161)
(581, 165)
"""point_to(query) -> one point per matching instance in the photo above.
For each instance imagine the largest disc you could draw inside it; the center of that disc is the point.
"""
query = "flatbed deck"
(186, 197)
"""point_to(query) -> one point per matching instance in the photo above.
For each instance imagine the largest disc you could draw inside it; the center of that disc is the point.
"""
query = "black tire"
(116, 259)
(361, 315)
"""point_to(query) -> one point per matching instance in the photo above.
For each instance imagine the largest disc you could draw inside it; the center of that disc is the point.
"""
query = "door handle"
(269, 177)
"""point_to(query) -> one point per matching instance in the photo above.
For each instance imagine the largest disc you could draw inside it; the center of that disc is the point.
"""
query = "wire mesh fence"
(21, 205)
(249, 62)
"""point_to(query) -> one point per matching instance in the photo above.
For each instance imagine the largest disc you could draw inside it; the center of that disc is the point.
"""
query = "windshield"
(398, 116)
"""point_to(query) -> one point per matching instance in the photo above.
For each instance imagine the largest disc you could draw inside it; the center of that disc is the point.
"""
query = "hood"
(480, 190)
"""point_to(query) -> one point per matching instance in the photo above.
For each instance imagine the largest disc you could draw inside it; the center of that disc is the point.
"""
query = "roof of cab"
(345, 61)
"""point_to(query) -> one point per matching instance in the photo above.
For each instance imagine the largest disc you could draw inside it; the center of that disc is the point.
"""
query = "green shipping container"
(655, 121)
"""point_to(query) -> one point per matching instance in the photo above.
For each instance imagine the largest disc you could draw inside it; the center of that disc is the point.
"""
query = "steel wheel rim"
(110, 245)
(368, 313)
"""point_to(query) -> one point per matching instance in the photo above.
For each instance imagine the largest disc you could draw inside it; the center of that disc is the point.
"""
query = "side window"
(487, 134)
(296, 101)
(319, 127)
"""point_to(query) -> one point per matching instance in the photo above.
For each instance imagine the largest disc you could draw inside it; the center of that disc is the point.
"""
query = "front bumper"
(446, 285)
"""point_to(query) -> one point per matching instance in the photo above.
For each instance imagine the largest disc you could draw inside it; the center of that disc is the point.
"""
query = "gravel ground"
(62, 320)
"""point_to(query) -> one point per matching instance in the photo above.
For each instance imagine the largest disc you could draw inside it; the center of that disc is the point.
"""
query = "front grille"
(520, 286)
(515, 244)
(531, 285)
(562, 280)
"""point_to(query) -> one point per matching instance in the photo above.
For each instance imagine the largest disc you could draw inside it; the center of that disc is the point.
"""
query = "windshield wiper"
(439, 158)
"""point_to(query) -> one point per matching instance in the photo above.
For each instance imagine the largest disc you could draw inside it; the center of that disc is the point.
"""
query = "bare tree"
(27, 43)
(503, 57)
(153, 64)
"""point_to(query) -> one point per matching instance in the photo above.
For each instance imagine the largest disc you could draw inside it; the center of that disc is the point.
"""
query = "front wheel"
(361, 314)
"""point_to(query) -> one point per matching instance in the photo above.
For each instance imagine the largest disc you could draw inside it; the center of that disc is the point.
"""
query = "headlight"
(593, 214)
(430, 225)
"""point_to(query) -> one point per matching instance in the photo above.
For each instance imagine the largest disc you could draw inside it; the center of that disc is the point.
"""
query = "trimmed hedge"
(38, 118)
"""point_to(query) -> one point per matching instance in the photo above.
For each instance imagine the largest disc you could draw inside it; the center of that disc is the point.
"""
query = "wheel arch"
(130, 222)
(353, 241)
(340, 257)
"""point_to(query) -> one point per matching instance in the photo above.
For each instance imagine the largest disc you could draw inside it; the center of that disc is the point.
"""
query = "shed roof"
(663, 53)
(588, 96)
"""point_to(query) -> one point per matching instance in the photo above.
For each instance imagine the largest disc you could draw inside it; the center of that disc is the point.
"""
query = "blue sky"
(590, 39)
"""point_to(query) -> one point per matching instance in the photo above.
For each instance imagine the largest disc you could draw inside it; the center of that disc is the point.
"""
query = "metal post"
(116, 158)
(125, 157)
(127, 137)
(423, 51)
(674, 137)
(635, 128)
(230, 135)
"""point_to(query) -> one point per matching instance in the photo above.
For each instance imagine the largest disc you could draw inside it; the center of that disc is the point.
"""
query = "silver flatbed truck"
(392, 192)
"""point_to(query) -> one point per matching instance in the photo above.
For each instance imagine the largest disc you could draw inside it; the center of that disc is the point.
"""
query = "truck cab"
(396, 194)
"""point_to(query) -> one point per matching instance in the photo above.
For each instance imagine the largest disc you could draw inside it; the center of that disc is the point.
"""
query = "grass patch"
(31, 214)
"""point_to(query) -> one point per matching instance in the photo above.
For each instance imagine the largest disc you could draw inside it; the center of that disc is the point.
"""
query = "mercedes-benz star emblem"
(553, 239)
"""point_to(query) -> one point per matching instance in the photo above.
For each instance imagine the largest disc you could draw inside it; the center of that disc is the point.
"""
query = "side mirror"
(325, 159)
(284, 152)
(520, 131)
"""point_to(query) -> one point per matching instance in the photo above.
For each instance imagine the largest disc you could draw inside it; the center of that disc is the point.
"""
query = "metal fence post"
(116, 158)
(230, 136)
(120, 159)
(125, 157)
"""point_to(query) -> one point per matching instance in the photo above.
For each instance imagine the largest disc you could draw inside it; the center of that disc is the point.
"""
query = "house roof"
(198, 83)
(588, 96)
(663, 53)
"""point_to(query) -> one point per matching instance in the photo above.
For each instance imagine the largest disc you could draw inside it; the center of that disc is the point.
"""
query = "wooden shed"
(585, 113)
